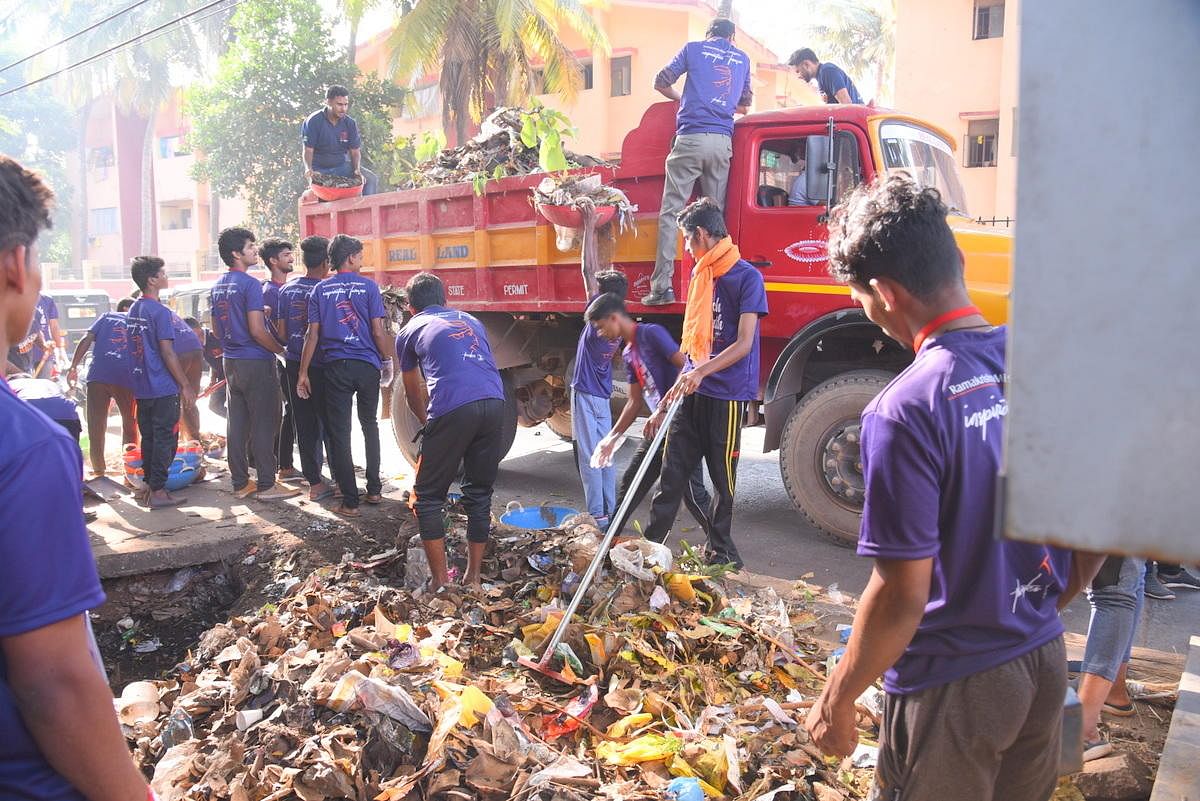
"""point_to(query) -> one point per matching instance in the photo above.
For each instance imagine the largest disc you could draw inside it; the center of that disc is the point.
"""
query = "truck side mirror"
(816, 170)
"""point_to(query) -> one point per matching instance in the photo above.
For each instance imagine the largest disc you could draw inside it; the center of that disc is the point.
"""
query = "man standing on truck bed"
(726, 298)
(835, 85)
(332, 145)
(717, 86)
(963, 626)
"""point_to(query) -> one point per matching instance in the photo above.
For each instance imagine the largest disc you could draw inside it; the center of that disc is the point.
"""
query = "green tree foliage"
(246, 121)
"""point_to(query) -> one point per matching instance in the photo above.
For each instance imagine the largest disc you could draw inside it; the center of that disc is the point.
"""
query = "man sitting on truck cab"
(726, 298)
(717, 86)
(332, 145)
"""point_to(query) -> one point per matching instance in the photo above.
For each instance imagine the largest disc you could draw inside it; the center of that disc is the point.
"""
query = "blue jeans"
(1116, 599)
(591, 419)
(370, 179)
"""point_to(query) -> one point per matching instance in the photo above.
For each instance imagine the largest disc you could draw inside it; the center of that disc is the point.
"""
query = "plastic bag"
(355, 689)
(636, 557)
(647, 748)
(612, 444)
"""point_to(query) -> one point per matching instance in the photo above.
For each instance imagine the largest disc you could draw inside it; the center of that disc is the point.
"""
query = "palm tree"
(484, 51)
(860, 35)
(355, 10)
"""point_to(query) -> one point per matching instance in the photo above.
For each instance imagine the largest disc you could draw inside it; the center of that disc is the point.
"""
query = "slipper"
(374, 500)
(322, 495)
(346, 511)
(1119, 710)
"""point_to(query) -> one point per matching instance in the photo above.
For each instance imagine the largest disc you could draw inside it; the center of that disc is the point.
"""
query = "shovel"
(614, 525)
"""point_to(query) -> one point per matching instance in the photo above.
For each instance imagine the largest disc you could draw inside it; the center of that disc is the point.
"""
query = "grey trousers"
(992, 736)
(254, 414)
(694, 157)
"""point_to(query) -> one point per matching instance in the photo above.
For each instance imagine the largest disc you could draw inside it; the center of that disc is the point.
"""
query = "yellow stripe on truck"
(816, 289)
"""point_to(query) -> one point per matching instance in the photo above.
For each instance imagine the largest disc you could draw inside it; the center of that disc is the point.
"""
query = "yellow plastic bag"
(451, 667)
(647, 748)
(678, 766)
(629, 723)
(474, 705)
(679, 586)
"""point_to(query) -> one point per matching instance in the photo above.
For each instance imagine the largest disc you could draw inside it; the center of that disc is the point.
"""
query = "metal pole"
(614, 525)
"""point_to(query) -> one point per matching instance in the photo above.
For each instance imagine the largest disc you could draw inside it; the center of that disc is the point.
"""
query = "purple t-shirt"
(293, 310)
(186, 340)
(593, 363)
(40, 324)
(149, 322)
(110, 351)
(44, 579)
(931, 452)
(233, 296)
(270, 300)
(718, 81)
(737, 292)
(452, 350)
(344, 305)
(648, 361)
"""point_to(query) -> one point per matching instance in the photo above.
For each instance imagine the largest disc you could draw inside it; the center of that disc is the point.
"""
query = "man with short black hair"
(835, 85)
(291, 326)
(251, 374)
(346, 327)
(332, 144)
(108, 380)
(717, 86)
(726, 299)
(279, 258)
(159, 384)
(963, 625)
(59, 734)
(453, 387)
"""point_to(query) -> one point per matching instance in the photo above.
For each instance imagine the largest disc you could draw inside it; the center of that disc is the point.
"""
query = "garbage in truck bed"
(350, 688)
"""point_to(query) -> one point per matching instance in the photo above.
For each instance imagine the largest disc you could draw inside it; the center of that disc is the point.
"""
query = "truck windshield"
(924, 157)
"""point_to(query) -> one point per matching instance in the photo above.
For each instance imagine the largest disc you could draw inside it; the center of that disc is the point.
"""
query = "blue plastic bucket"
(537, 517)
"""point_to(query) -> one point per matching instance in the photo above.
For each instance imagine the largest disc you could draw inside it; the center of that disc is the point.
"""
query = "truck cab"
(821, 359)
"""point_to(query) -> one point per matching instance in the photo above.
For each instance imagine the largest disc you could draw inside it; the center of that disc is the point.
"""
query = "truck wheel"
(819, 455)
(405, 425)
(560, 421)
(560, 424)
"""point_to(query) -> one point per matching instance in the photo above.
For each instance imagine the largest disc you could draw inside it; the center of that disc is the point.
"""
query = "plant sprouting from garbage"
(692, 561)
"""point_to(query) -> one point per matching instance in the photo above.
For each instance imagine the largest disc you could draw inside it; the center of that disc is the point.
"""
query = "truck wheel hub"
(841, 463)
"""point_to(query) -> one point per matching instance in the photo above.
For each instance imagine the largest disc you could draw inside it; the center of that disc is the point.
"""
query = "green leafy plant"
(545, 129)
(692, 561)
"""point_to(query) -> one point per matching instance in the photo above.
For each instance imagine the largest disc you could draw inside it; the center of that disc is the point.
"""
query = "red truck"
(822, 360)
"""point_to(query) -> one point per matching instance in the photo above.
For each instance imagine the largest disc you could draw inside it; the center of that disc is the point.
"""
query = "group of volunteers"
(963, 626)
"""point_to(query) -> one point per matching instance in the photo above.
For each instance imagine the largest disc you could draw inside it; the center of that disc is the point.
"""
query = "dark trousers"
(344, 380)
(306, 416)
(253, 396)
(158, 421)
(286, 441)
(469, 435)
(695, 496)
(704, 430)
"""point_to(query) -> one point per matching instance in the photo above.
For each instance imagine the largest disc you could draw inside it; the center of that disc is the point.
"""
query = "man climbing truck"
(821, 361)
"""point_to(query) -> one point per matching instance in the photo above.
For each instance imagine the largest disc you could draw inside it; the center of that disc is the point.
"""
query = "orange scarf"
(698, 314)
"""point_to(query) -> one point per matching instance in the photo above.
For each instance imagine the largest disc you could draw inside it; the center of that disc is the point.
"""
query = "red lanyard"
(939, 321)
(639, 368)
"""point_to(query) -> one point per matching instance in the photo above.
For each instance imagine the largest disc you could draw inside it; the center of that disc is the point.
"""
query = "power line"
(132, 40)
(75, 35)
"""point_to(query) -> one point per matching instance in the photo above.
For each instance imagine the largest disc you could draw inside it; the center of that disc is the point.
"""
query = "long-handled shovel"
(614, 525)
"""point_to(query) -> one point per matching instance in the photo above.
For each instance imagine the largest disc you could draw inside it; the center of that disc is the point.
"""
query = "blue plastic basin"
(537, 517)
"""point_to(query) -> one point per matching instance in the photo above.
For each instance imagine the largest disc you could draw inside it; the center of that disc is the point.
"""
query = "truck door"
(783, 230)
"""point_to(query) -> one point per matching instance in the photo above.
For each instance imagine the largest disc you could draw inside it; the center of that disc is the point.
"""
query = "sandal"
(1119, 710)
(374, 500)
(346, 511)
(321, 495)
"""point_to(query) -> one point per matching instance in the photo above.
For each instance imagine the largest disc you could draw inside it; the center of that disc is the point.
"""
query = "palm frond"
(415, 45)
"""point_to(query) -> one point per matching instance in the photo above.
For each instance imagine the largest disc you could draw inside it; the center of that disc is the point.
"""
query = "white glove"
(386, 374)
(603, 455)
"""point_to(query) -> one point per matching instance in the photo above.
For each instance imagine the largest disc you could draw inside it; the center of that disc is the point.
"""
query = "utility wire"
(75, 35)
(132, 40)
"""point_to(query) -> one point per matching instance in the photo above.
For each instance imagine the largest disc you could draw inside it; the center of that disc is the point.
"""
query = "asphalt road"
(774, 538)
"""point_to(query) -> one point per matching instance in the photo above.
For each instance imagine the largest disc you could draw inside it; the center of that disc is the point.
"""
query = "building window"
(102, 160)
(588, 76)
(102, 222)
(171, 146)
(174, 217)
(980, 147)
(989, 19)
(622, 76)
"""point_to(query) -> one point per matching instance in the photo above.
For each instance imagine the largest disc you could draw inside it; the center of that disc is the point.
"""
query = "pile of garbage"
(336, 181)
(666, 686)
(498, 144)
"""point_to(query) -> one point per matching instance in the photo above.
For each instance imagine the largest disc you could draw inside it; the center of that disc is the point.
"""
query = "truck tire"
(560, 421)
(819, 453)
(405, 425)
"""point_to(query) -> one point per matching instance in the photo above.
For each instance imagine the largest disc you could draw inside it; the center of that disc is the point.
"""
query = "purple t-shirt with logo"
(593, 362)
(452, 350)
(233, 296)
(148, 322)
(186, 340)
(648, 361)
(739, 291)
(718, 81)
(44, 579)
(292, 308)
(931, 451)
(110, 351)
(344, 305)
